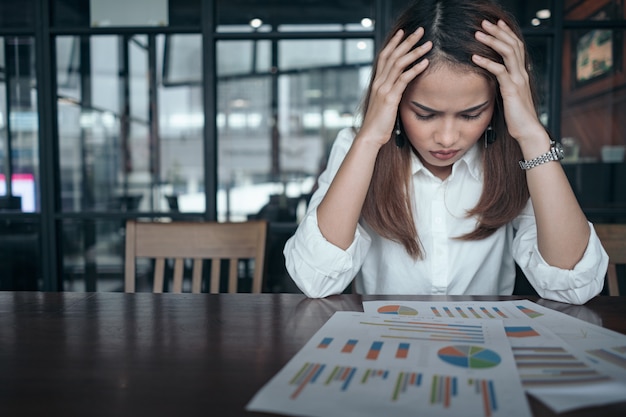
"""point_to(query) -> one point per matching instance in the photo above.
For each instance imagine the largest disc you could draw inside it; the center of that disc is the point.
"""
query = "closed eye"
(424, 116)
(472, 116)
(471, 113)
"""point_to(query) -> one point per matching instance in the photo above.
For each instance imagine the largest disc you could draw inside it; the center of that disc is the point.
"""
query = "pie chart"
(466, 356)
(397, 310)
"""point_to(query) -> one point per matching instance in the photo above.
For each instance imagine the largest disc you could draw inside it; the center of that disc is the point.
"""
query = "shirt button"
(437, 220)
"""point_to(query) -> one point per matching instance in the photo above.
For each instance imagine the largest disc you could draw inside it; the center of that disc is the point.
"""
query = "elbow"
(311, 285)
(576, 296)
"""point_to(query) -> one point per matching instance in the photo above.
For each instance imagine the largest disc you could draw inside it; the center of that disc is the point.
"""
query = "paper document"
(362, 364)
(565, 362)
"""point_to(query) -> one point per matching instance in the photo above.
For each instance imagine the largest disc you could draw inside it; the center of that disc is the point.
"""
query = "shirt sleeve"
(316, 266)
(575, 286)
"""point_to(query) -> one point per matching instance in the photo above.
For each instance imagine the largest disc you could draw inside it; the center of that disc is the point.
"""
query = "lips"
(444, 155)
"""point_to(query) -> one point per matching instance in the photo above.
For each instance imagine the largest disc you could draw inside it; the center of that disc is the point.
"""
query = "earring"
(490, 136)
(400, 139)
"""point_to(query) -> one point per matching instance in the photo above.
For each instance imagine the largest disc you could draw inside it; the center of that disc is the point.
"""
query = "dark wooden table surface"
(114, 354)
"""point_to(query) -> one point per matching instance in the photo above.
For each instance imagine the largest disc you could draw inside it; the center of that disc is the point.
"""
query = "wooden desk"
(114, 354)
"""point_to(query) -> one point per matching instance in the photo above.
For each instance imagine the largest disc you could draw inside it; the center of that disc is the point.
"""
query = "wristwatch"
(554, 154)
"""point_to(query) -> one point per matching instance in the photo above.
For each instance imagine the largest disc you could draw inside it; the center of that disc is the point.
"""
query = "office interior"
(226, 109)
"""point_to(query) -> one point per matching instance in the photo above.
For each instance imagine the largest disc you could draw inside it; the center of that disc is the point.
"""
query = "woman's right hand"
(339, 211)
(391, 79)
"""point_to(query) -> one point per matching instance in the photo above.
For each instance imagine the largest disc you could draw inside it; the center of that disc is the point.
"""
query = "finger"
(495, 68)
(500, 30)
(385, 99)
(402, 65)
(407, 61)
(517, 43)
(390, 90)
(513, 65)
(395, 76)
(389, 48)
(393, 54)
(502, 39)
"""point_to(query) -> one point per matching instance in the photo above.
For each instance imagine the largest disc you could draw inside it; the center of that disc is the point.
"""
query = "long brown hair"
(450, 25)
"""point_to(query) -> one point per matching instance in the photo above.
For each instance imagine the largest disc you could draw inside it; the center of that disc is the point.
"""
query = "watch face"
(558, 149)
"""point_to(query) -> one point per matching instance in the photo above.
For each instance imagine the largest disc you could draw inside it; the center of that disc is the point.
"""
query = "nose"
(447, 134)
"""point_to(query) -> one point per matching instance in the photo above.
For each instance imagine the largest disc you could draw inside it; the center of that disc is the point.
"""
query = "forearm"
(319, 268)
(340, 209)
(562, 228)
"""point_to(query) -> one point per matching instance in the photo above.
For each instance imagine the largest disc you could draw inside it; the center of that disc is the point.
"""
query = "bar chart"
(553, 366)
(556, 354)
(428, 330)
(359, 365)
(438, 390)
(463, 310)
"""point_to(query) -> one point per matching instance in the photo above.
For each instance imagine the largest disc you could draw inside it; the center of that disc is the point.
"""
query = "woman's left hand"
(519, 108)
(562, 229)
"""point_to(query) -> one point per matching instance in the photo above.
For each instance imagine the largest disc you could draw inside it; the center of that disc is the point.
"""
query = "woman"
(428, 195)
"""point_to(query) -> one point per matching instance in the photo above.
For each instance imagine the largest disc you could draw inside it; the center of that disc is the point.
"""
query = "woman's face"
(445, 112)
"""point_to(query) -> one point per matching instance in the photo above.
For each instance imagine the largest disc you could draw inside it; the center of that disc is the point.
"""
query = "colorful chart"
(467, 356)
(374, 350)
(398, 310)
(609, 357)
(441, 332)
(325, 343)
(530, 313)
(520, 331)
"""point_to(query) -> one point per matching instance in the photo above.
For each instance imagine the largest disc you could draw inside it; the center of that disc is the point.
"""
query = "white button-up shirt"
(449, 266)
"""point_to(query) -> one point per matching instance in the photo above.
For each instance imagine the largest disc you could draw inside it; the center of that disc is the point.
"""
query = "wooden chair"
(613, 238)
(180, 240)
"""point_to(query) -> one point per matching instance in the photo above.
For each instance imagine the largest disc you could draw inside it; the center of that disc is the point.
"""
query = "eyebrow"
(468, 110)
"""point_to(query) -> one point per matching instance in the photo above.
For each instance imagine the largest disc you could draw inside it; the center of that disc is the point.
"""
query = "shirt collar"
(471, 160)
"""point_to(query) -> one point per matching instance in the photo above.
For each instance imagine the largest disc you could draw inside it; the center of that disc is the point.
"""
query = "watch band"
(554, 154)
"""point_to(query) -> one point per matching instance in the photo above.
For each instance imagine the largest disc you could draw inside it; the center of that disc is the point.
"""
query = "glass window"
(244, 121)
(119, 13)
(253, 56)
(309, 54)
(17, 14)
(93, 255)
(275, 129)
(128, 141)
(183, 60)
(185, 12)
(20, 256)
(76, 13)
(295, 15)
(19, 126)
(70, 13)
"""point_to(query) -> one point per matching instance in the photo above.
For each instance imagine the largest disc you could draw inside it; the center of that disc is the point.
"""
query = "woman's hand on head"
(519, 109)
(391, 79)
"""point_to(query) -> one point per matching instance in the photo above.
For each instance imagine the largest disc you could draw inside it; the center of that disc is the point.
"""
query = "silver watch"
(554, 154)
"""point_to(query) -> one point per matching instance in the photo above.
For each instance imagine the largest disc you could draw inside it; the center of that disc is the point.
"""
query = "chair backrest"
(613, 238)
(181, 240)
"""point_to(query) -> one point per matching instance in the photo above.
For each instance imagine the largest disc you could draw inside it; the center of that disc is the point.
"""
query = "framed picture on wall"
(597, 52)
(594, 55)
